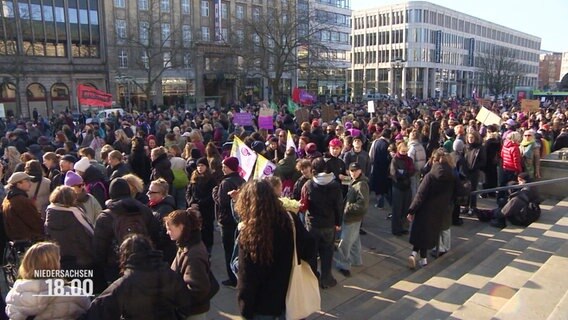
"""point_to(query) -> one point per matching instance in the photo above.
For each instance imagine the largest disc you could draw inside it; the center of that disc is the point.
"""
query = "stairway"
(514, 273)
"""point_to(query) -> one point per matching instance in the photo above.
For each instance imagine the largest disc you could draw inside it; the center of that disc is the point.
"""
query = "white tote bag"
(303, 296)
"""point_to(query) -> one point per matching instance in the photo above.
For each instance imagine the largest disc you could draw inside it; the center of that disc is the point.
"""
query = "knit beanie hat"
(119, 188)
(72, 179)
(82, 165)
(458, 145)
(232, 163)
(202, 161)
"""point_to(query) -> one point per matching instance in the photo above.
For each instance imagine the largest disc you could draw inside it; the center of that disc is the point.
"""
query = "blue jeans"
(349, 249)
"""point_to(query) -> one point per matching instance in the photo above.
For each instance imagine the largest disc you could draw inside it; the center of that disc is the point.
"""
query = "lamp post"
(396, 65)
(125, 80)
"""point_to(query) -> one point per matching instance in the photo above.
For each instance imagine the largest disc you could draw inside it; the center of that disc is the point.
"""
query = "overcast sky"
(546, 19)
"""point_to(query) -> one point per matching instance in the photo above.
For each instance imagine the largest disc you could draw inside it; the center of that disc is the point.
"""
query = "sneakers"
(423, 262)
(229, 283)
(412, 262)
(362, 232)
(346, 273)
(435, 254)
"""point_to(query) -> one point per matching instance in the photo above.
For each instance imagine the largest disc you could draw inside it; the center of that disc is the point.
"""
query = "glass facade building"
(47, 48)
(419, 49)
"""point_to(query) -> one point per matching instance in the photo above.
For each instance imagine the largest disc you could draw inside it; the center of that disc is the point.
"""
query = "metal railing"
(520, 186)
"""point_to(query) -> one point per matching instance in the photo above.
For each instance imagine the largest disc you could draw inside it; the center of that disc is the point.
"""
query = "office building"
(48, 48)
(549, 70)
(419, 49)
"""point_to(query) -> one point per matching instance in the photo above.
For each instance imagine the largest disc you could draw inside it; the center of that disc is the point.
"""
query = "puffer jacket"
(511, 155)
(25, 299)
(418, 155)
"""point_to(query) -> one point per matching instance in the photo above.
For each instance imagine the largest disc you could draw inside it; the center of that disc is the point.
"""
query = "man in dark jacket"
(356, 206)
(94, 179)
(120, 203)
(22, 220)
(117, 166)
(224, 213)
(65, 164)
(322, 197)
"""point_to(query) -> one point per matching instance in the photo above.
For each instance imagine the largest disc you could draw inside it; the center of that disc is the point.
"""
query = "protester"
(22, 220)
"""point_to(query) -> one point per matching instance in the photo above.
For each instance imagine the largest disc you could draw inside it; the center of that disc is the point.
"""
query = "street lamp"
(396, 65)
(125, 80)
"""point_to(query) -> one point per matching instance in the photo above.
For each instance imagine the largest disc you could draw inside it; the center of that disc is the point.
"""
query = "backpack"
(104, 185)
(180, 179)
(124, 225)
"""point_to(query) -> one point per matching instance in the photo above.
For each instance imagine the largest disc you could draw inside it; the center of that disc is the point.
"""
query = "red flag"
(92, 97)
(296, 94)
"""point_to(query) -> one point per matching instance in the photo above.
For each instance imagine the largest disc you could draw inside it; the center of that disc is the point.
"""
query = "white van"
(375, 96)
(106, 112)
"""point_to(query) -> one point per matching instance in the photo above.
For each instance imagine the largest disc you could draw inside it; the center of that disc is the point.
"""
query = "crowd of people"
(138, 198)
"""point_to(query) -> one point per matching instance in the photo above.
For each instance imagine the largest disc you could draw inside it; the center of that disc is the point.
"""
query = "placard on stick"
(327, 113)
(302, 115)
(487, 117)
(528, 105)
(371, 106)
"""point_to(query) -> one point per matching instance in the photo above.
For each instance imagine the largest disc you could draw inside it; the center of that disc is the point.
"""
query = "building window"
(145, 60)
(187, 61)
(121, 29)
(224, 10)
(165, 5)
(167, 60)
(120, 3)
(205, 33)
(185, 7)
(224, 34)
(165, 32)
(144, 32)
(240, 12)
(122, 59)
(143, 5)
(256, 13)
(186, 35)
(240, 34)
(205, 8)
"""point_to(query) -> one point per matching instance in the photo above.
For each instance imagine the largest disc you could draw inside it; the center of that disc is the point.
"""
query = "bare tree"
(499, 70)
(157, 44)
(281, 39)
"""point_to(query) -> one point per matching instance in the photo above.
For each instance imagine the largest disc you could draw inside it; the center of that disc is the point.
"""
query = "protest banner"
(487, 117)
(529, 105)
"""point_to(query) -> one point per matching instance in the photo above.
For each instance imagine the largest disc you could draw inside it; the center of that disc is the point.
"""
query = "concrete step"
(559, 312)
(454, 276)
(511, 277)
(493, 292)
(367, 305)
(538, 298)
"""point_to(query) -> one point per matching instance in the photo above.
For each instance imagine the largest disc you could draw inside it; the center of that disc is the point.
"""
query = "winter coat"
(560, 142)
(119, 171)
(27, 298)
(95, 185)
(42, 198)
(380, 158)
(58, 180)
(519, 200)
(160, 211)
(90, 206)
(223, 211)
(433, 201)
(262, 288)
(75, 240)
(511, 156)
(297, 191)
(104, 238)
(417, 153)
(530, 158)
(356, 200)
(161, 168)
(122, 146)
(141, 165)
(401, 170)
(22, 220)
(336, 166)
(99, 166)
(493, 151)
(286, 169)
(475, 157)
(192, 263)
(148, 290)
(323, 198)
(361, 157)
(200, 193)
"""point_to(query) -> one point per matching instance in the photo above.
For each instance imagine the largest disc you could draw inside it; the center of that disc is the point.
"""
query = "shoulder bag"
(303, 296)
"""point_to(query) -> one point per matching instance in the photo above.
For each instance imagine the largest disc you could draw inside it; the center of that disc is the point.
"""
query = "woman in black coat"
(265, 251)
(161, 166)
(476, 159)
(200, 193)
(148, 289)
(432, 202)
(139, 162)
